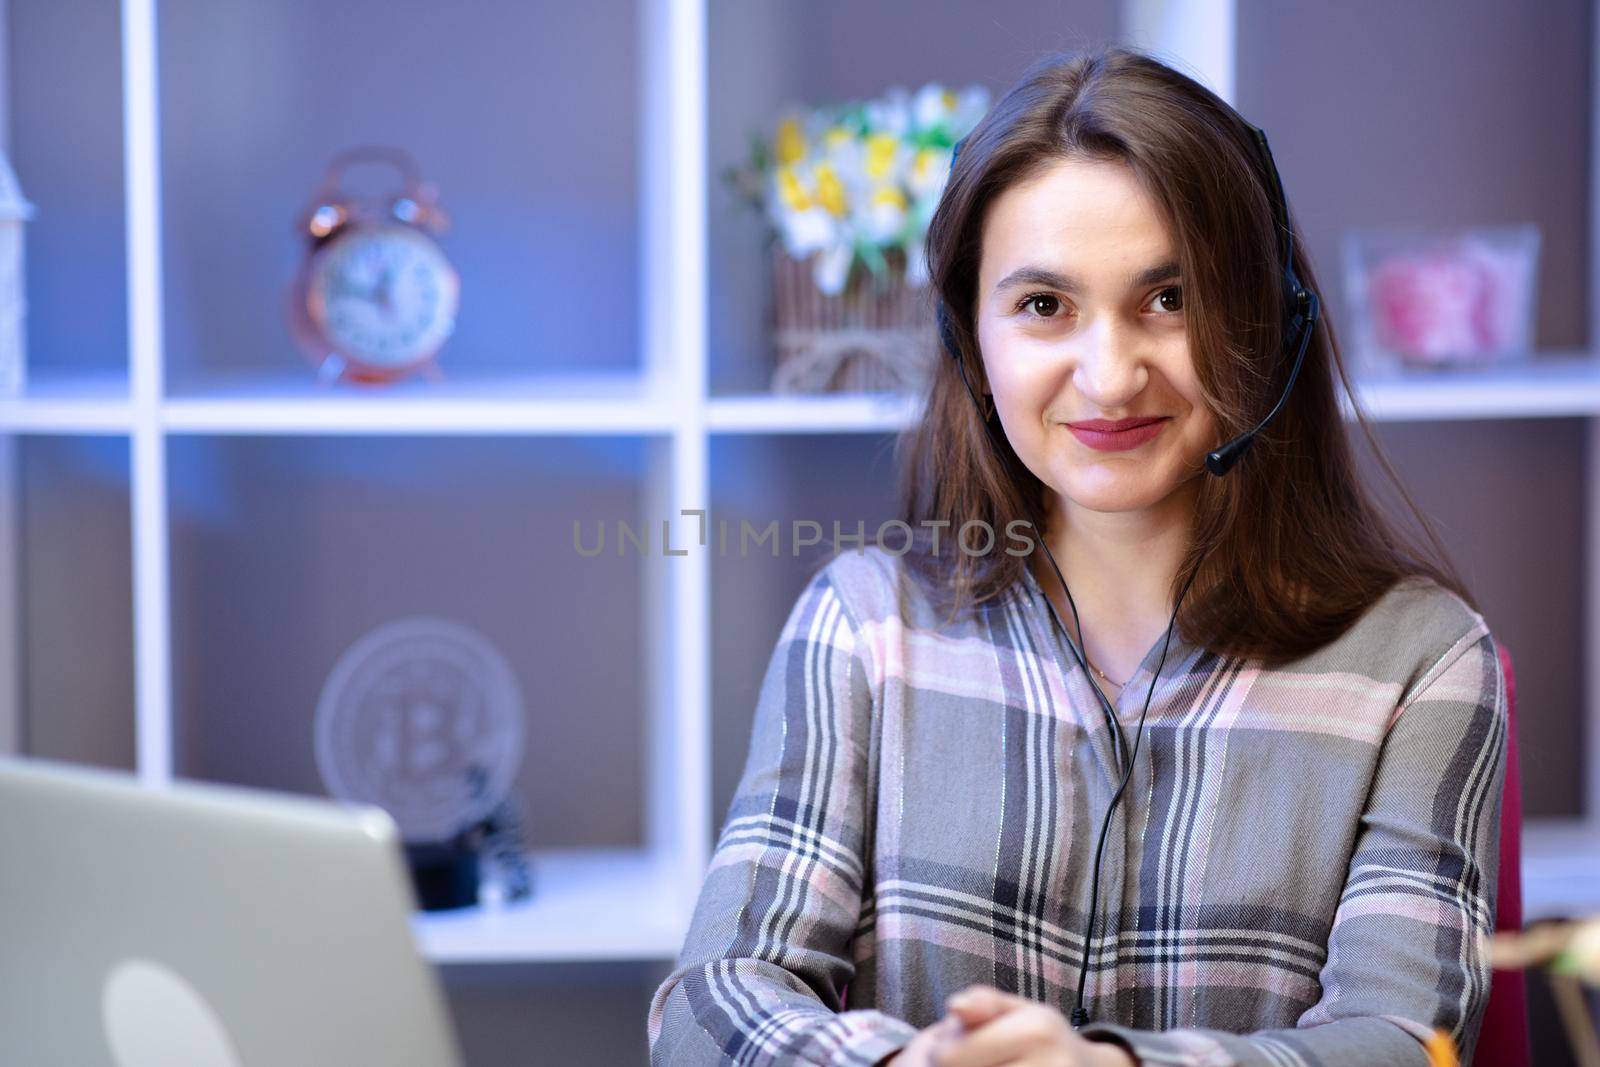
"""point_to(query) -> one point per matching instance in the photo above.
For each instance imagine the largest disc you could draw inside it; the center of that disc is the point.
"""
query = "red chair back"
(1503, 1040)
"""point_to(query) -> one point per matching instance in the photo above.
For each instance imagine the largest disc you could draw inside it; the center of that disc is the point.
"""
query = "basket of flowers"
(847, 191)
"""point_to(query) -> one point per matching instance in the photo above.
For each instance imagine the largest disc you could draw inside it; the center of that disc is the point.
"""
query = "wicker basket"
(870, 338)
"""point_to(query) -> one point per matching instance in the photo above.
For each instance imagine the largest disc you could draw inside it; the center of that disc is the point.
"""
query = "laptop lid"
(205, 925)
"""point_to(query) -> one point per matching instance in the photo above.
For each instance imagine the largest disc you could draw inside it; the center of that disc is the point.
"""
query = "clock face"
(384, 296)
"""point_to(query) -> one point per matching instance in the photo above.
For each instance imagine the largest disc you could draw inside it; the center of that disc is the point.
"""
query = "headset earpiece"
(1302, 304)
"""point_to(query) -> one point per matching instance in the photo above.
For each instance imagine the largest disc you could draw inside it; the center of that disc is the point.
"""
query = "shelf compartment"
(851, 51)
(287, 550)
(526, 116)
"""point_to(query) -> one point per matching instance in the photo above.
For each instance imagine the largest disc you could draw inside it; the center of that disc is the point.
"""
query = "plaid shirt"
(1301, 872)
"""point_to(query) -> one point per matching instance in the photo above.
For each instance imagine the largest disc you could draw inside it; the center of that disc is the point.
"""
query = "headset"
(1303, 309)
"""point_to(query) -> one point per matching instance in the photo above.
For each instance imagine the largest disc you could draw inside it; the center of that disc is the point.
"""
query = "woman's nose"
(1109, 370)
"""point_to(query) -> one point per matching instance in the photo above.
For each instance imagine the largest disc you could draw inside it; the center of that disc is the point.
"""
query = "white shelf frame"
(634, 904)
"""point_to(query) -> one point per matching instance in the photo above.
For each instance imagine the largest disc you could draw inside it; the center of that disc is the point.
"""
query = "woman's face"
(1080, 318)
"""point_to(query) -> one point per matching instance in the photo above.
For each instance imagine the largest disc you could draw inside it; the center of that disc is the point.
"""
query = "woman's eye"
(1170, 299)
(1043, 305)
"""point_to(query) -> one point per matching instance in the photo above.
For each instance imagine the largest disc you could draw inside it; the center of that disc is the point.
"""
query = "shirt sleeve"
(1407, 952)
(768, 951)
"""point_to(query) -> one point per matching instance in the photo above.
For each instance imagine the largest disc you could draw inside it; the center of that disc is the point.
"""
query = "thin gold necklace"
(1100, 672)
(1103, 676)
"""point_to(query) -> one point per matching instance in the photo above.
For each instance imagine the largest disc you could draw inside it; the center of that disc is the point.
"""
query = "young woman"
(1235, 798)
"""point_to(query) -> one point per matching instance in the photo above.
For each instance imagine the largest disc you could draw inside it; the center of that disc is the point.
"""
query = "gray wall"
(77, 600)
(1448, 114)
(64, 62)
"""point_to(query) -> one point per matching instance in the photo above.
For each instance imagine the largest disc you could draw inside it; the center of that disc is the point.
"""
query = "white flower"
(971, 105)
(932, 106)
(842, 150)
(883, 214)
(891, 113)
(832, 268)
(804, 232)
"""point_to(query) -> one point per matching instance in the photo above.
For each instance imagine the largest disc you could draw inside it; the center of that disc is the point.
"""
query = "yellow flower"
(830, 191)
(881, 148)
(793, 193)
(927, 171)
(836, 136)
(890, 195)
(791, 142)
(950, 99)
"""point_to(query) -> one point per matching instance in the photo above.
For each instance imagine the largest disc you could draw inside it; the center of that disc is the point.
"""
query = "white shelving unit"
(619, 904)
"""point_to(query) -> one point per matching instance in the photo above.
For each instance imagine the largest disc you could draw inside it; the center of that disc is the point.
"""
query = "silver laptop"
(205, 926)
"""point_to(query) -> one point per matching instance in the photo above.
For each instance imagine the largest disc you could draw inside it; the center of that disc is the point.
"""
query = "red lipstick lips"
(1116, 435)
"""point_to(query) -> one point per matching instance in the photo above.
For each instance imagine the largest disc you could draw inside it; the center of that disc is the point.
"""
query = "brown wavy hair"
(1290, 547)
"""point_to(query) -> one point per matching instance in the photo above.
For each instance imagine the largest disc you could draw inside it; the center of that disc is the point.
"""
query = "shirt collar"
(1178, 651)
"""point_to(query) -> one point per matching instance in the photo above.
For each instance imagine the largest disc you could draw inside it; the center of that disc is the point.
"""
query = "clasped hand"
(985, 1027)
